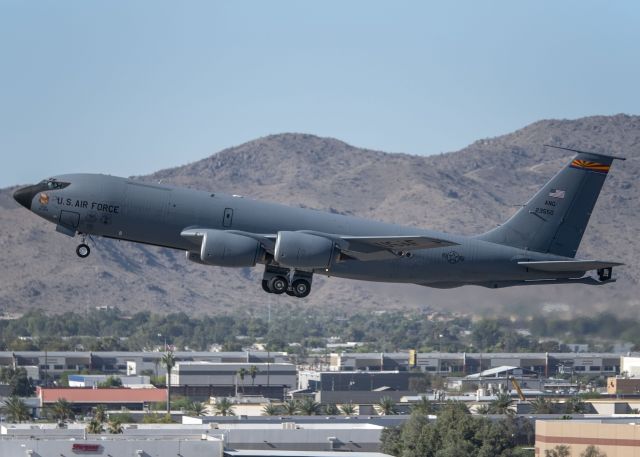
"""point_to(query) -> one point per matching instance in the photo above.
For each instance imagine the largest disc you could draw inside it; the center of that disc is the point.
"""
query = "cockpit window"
(54, 184)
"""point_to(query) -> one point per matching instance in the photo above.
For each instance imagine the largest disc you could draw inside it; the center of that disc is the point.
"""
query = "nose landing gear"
(83, 250)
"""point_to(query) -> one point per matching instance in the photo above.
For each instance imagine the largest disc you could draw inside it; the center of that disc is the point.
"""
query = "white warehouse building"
(200, 373)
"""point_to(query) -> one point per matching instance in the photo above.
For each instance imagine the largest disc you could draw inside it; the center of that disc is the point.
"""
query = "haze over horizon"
(131, 88)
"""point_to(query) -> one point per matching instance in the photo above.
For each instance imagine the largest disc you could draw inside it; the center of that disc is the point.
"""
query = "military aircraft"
(537, 245)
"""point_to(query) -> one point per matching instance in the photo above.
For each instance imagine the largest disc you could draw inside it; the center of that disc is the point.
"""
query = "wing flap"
(562, 266)
(371, 244)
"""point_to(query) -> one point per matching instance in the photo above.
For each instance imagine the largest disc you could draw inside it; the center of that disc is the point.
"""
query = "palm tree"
(542, 406)
(502, 405)
(114, 427)
(100, 413)
(290, 407)
(348, 409)
(575, 405)
(253, 372)
(197, 408)
(94, 427)
(270, 410)
(331, 410)
(423, 406)
(309, 407)
(62, 411)
(169, 361)
(223, 407)
(387, 407)
(242, 373)
(15, 409)
(483, 409)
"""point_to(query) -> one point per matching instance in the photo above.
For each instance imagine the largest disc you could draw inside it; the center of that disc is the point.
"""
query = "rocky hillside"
(466, 192)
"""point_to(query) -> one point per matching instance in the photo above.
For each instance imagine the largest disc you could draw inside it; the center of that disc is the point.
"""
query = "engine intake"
(303, 250)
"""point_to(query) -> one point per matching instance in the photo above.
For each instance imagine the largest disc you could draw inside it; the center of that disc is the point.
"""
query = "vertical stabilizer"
(555, 219)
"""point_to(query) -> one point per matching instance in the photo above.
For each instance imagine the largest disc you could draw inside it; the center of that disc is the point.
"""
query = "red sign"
(83, 447)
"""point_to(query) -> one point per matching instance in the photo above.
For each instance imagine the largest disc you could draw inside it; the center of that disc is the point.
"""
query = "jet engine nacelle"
(226, 249)
(303, 250)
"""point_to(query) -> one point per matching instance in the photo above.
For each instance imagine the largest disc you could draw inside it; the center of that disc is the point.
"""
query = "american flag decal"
(591, 166)
(557, 193)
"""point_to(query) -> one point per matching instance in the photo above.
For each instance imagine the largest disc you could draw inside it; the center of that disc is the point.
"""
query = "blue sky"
(132, 87)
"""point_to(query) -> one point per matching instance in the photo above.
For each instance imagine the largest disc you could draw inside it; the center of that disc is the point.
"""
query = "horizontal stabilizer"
(562, 266)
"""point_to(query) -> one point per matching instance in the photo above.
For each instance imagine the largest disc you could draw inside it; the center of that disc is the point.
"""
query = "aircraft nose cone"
(25, 195)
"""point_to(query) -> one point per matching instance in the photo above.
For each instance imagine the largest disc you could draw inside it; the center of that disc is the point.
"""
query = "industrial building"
(94, 380)
(209, 379)
(620, 438)
(53, 364)
(544, 363)
(309, 434)
(83, 399)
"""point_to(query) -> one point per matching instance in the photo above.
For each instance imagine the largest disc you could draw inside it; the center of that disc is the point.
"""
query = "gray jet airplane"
(537, 245)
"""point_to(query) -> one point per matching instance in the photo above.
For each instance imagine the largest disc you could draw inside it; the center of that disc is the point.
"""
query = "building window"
(594, 368)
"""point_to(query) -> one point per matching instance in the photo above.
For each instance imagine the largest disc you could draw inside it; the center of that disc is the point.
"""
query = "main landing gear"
(278, 280)
(83, 250)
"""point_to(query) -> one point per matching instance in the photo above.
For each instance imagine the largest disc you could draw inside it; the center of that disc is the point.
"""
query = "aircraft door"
(227, 219)
(69, 219)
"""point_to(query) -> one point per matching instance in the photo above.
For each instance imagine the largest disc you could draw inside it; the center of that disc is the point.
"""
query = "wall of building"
(620, 440)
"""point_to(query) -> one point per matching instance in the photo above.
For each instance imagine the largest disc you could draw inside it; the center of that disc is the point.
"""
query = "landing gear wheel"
(278, 285)
(83, 251)
(301, 288)
(265, 286)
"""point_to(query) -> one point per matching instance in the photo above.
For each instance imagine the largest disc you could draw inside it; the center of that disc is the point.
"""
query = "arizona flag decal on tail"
(591, 166)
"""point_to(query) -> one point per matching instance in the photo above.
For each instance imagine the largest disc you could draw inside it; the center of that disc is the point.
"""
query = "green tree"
(223, 407)
(575, 405)
(502, 404)
(270, 409)
(169, 361)
(542, 405)
(331, 410)
(15, 409)
(61, 411)
(348, 409)
(94, 427)
(242, 372)
(100, 413)
(111, 381)
(561, 450)
(197, 408)
(18, 380)
(124, 417)
(455, 432)
(390, 441)
(290, 407)
(309, 407)
(386, 406)
(423, 406)
(483, 409)
(592, 451)
(253, 372)
(114, 427)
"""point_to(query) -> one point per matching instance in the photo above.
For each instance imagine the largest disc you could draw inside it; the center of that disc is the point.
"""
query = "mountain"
(467, 192)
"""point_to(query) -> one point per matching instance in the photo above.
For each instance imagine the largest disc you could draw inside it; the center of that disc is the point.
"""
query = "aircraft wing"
(357, 247)
(563, 266)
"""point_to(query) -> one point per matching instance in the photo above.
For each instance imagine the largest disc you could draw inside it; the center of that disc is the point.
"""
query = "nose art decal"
(44, 198)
